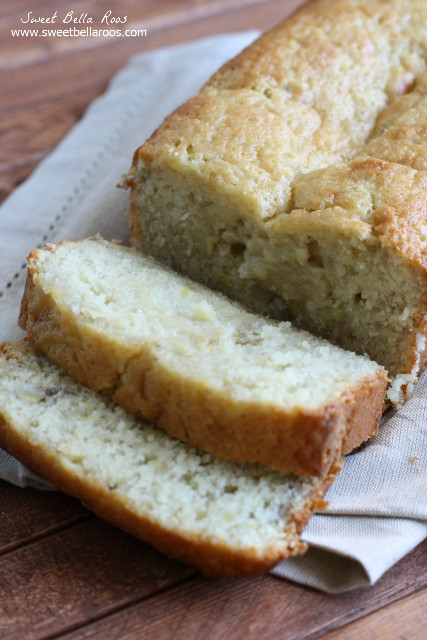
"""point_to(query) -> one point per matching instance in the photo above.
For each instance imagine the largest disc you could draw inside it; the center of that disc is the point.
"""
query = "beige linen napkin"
(378, 505)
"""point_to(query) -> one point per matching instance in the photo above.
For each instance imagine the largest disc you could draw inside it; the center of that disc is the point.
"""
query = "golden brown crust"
(211, 558)
(388, 199)
(303, 441)
(364, 407)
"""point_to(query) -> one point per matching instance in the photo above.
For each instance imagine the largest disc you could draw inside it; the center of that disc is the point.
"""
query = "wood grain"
(81, 573)
(27, 514)
(32, 136)
(406, 620)
(267, 608)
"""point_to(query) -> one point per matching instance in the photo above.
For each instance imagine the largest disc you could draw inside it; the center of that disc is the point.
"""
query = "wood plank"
(267, 608)
(28, 513)
(31, 133)
(405, 620)
(80, 574)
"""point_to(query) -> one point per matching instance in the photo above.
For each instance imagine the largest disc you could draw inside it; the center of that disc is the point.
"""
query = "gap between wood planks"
(78, 627)
(265, 607)
(407, 617)
(77, 575)
(44, 533)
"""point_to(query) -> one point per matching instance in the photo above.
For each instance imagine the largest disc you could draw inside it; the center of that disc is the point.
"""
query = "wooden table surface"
(63, 572)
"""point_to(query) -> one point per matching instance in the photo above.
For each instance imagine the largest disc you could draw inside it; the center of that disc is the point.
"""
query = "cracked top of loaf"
(325, 111)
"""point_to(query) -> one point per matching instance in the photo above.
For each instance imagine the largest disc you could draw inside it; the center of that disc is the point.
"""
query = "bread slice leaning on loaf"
(227, 519)
(296, 183)
(198, 365)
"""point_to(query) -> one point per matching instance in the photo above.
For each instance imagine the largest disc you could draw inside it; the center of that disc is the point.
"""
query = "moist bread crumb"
(225, 518)
(197, 364)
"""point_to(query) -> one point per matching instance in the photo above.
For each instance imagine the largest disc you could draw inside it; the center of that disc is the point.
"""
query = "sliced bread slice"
(196, 364)
(225, 518)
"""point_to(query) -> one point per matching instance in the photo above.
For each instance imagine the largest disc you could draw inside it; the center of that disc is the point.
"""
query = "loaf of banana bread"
(295, 182)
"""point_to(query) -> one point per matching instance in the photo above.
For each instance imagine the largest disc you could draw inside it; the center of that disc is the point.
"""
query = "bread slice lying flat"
(224, 518)
(196, 364)
(295, 181)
